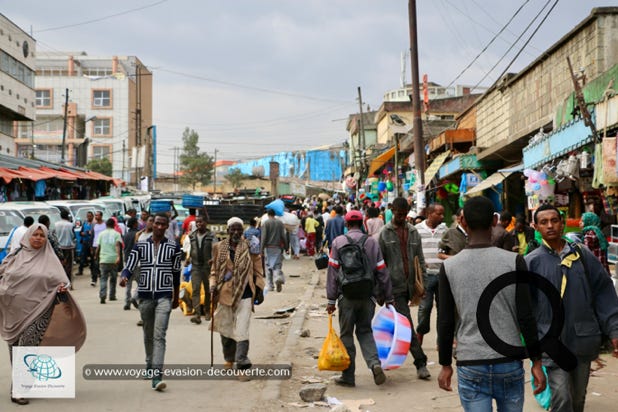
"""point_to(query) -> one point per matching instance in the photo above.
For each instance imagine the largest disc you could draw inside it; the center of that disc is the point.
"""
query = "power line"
(254, 88)
(488, 44)
(67, 26)
(518, 38)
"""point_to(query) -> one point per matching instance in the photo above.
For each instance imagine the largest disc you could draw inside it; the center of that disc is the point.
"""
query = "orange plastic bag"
(333, 356)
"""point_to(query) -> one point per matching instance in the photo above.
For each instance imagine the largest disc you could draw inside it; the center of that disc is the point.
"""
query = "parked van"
(9, 220)
(12, 215)
(78, 209)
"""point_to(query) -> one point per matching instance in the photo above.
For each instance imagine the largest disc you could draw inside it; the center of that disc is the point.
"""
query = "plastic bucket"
(392, 333)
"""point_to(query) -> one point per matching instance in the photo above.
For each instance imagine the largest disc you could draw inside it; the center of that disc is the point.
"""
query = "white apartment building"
(109, 111)
(17, 65)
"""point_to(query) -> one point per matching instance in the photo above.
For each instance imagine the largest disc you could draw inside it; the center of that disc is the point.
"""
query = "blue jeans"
(155, 315)
(424, 309)
(479, 384)
(274, 261)
(108, 271)
(294, 244)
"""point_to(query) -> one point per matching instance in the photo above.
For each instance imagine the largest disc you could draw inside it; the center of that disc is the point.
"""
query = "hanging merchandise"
(389, 186)
(381, 186)
(539, 188)
(597, 179)
(610, 177)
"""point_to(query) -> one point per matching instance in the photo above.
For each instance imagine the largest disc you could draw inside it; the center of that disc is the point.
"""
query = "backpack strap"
(586, 273)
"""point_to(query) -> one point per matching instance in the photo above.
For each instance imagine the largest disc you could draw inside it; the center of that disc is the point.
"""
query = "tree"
(195, 166)
(103, 166)
(235, 177)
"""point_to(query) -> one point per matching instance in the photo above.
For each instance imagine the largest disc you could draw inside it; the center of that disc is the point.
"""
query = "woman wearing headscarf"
(27, 293)
(593, 237)
(235, 277)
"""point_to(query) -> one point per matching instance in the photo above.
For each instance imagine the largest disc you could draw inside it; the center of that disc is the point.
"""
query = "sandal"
(20, 401)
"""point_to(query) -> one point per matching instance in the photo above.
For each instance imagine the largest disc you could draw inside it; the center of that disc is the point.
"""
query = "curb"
(272, 389)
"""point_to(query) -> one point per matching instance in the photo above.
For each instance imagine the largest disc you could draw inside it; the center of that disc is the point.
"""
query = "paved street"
(114, 338)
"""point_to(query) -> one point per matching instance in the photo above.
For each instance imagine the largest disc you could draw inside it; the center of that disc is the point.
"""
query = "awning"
(33, 174)
(378, 161)
(435, 166)
(99, 176)
(8, 174)
(77, 173)
(491, 181)
(59, 174)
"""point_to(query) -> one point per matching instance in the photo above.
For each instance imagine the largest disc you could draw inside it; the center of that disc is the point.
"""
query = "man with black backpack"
(355, 266)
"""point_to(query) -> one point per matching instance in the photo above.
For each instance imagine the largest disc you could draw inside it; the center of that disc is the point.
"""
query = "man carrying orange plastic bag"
(355, 266)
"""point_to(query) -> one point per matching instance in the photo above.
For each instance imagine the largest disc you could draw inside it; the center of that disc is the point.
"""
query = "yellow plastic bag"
(333, 356)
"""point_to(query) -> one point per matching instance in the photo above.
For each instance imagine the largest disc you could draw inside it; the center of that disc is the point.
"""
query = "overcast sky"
(255, 77)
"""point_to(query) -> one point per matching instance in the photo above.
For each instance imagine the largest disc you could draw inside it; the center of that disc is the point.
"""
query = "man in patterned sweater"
(157, 290)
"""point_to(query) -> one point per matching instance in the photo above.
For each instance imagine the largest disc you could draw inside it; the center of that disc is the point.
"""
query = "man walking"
(235, 277)
(20, 231)
(454, 239)
(86, 234)
(590, 307)
(98, 227)
(400, 244)
(159, 260)
(128, 241)
(431, 230)
(355, 300)
(335, 226)
(108, 256)
(274, 241)
(483, 374)
(200, 258)
(63, 229)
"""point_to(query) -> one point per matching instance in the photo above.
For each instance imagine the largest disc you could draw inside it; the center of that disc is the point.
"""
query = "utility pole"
(362, 129)
(124, 165)
(419, 151)
(176, 167)
(64, 127)
(214, 174)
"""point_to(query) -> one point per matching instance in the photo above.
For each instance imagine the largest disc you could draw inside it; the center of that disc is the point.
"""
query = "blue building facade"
(320, 165)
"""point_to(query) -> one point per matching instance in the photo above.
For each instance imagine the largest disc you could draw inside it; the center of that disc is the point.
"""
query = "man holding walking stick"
(236, 279)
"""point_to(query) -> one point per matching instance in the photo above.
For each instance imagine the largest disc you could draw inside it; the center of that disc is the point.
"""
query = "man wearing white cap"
(237, 279)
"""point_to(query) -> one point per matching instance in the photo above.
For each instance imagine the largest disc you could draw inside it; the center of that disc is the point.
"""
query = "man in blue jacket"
(590, 307)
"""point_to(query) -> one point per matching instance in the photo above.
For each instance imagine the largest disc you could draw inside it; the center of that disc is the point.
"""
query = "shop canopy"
(379, 161)
(8, 174)
(493, 180)
(59, 174)
(435, 166)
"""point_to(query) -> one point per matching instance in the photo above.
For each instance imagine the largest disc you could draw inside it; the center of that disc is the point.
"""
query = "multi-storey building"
(108, 112)
(17, 62)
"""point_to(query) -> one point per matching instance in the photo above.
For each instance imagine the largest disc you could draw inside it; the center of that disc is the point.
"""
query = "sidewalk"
(402, 390)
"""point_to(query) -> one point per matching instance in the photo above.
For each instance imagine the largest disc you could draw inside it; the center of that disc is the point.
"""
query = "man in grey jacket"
(63, 229)
(400, 243)
(274, 241)
(590, 307)
(356, 312)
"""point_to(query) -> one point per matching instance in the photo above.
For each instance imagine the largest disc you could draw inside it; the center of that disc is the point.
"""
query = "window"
(44, 98)
(101, 152)
(102, 127)
(16, 69)
(102, 98)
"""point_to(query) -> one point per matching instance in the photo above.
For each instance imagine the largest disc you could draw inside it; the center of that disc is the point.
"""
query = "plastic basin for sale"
(392, 333)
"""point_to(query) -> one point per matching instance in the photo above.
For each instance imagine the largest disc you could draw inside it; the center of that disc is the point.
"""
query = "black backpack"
(355, 274)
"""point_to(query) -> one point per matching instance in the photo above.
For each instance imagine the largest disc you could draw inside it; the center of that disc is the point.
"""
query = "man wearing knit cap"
(236, 279)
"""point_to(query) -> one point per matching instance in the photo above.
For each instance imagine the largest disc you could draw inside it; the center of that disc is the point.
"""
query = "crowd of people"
(404, 259)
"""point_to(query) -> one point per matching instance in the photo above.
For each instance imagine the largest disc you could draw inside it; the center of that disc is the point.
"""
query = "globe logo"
(42, 367)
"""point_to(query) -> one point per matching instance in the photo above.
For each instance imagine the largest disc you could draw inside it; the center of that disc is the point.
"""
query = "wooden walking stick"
(212, 327)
